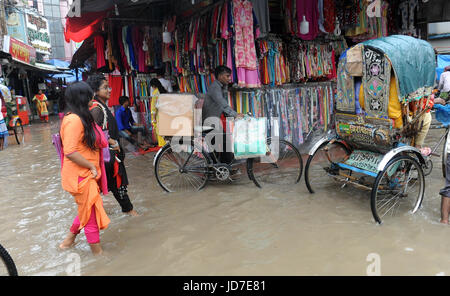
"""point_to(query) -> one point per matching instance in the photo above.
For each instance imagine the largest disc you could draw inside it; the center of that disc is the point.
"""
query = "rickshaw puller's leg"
(445, 209)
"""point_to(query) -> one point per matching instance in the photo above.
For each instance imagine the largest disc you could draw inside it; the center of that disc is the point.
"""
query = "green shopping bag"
(250, 138)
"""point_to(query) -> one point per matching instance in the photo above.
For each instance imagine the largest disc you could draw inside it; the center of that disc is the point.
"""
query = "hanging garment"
(310, 10)
(99, 44)
(261, 8)
(245, 42)
(329, 15)
(116, 84)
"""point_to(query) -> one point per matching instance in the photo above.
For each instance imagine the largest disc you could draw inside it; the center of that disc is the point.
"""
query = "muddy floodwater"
(225, 229)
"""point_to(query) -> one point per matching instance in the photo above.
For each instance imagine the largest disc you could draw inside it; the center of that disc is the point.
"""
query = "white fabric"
(167, 84)
(444, 82)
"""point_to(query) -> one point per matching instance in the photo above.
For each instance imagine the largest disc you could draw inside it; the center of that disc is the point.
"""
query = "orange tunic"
(87, 192)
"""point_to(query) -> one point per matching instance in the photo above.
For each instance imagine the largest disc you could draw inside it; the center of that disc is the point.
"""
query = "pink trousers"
(90, 229)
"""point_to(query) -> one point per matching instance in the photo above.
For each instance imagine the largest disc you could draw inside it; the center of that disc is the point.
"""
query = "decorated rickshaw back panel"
(365, 133)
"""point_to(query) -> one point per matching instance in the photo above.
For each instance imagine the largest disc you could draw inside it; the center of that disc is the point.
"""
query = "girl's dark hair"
(77, 98)
(156, 83)
(95, 81)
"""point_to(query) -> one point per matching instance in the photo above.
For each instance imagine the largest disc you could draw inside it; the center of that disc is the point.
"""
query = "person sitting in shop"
(216, 107)
(165, 83)
(128, 129)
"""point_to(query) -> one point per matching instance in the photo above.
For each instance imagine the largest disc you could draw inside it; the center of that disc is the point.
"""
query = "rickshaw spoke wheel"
(398, 189)
(283, 165)
(319, 169)
(18, 132)
(181, 168)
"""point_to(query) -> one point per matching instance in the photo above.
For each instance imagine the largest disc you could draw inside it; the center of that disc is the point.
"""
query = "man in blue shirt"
(125, 122)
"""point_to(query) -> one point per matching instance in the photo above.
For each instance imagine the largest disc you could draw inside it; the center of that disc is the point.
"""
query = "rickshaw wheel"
(168, 168)
(399, 188)
(18, 132)
(285, 168)
(318, 167)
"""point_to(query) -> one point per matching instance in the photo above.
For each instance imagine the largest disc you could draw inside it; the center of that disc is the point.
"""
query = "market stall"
(275, 49)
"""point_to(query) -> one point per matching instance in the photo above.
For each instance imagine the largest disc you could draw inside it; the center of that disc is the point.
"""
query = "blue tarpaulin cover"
(443, 61)
(413, 61)
(443, 114)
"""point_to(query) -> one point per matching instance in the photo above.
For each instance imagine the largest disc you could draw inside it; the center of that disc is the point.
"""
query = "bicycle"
(14, 123)
(183, 166)
(8, 263)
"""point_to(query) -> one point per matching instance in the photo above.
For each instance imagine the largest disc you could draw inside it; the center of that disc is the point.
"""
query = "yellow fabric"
(394, 108)
(41, 104)
(154, 110)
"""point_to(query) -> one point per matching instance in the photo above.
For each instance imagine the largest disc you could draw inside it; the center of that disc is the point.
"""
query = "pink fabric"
(309, 9)
(102, 142)
(248, 78)
(90, 229)
(224, 26)
(245, 50)
(229, 55)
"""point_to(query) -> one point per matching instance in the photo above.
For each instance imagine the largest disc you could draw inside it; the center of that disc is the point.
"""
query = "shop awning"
(37, 67)
(86, 50)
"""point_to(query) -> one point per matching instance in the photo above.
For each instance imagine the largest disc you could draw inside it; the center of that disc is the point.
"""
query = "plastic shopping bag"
(250, 138)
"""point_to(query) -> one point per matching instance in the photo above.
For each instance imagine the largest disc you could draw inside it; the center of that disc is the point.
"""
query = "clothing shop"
(283, 53)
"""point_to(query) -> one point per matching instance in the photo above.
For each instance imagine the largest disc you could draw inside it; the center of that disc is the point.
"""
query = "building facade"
(55, 11)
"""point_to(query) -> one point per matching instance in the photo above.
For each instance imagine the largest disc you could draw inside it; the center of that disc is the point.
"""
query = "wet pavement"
(225, 229)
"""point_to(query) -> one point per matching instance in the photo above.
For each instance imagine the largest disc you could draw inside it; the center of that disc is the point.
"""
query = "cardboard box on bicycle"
(176, 114)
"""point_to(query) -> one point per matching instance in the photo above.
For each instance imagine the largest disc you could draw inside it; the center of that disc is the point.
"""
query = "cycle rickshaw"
(383, 90)
(188, 162)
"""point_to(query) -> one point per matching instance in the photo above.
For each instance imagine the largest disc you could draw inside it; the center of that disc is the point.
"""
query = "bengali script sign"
(19, 50)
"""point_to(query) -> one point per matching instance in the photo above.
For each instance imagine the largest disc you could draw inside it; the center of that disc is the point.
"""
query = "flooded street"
(225, 229)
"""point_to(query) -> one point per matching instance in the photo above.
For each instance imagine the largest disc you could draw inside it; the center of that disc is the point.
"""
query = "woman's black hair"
(95, 81)
(156, 83)
(77, 98)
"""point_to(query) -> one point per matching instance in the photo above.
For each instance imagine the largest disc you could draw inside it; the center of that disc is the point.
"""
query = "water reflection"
(225, 229)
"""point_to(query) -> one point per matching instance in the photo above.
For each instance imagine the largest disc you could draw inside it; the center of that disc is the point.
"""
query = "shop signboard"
(15, 24)
(38, 33)
(19, 50)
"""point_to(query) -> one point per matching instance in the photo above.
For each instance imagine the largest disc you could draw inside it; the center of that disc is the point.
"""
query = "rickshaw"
(384, 88)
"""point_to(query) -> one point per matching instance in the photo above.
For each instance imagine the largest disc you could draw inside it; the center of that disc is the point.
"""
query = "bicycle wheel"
(399, 188)
(18, 132)
(444, 156)
(319, 169)
(8, 268)
(181, 168)
(282, 166)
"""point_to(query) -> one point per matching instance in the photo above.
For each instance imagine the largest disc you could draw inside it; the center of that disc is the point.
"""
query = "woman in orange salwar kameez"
(82, 167)
(41, 105)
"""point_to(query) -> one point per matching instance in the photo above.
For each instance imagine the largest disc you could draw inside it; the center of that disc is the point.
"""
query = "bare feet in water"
(96, 249)
(133, 213)
(68, 242)
(444, 221)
